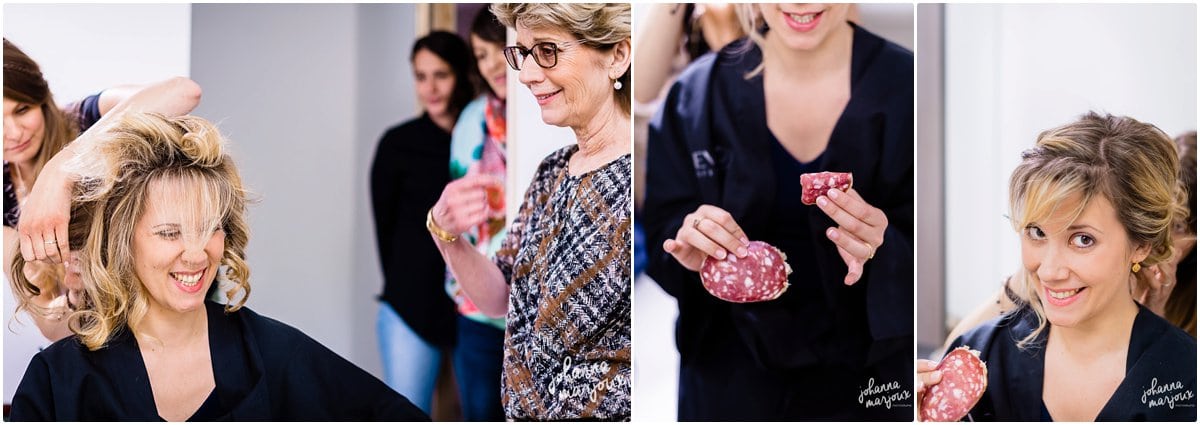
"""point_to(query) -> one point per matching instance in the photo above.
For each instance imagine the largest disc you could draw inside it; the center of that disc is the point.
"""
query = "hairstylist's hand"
(859, 232)
(1152, 287)
(45, 213)
(707, 232)
(73, 279)
(463, 203)
(926, 377)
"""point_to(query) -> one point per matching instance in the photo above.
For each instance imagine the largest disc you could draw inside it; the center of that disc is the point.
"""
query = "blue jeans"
(410, 365)
(478, 363)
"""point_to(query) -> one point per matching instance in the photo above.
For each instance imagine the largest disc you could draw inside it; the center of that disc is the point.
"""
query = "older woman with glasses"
(561, 276)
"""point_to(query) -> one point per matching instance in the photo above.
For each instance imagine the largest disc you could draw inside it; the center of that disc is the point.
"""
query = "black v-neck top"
(264, 370)
(1160, 371)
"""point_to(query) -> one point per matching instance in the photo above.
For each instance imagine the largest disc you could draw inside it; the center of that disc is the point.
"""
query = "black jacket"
(411, 167)
(264, 370)
(710, 144)
(1160, 371)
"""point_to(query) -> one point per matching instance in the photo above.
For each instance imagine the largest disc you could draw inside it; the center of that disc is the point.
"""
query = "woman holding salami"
(807, 91)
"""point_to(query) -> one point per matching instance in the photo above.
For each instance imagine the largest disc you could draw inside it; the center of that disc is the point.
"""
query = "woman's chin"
(550, 116)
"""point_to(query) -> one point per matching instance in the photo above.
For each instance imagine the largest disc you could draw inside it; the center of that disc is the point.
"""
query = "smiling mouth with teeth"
(1064, 294)
(803, 18)
(188, 279)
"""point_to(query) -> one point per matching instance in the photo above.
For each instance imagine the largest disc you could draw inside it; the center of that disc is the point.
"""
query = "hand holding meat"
(708, 232)
(859, 232)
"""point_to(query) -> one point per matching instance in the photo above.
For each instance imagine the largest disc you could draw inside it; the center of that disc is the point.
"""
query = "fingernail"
(937, 374)
(822, 201)
(720, 254)
(832, 233)
(742, 252)
(745, 240)
(834, 193)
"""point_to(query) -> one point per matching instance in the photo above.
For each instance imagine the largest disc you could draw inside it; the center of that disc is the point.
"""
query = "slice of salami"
(964, 378)
(817, 184)
(760, 276)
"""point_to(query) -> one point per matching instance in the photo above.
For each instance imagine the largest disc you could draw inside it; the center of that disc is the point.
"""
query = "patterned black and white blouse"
(567, 258)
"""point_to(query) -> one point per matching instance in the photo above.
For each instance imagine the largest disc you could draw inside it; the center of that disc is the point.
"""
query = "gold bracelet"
(436, 230)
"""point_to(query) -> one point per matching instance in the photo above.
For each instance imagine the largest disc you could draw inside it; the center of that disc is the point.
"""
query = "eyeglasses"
(545, 54)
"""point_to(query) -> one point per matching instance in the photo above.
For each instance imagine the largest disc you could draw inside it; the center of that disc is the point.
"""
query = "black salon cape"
(1160, 355)
(264, 370)
(810, 353)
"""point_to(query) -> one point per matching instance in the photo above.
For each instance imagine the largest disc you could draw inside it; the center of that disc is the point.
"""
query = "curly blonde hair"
(139, 151)
(601, 25)
(1132, 164)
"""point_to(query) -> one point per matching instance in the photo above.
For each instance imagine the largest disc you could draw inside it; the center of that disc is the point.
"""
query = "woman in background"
(478, 147)
(416, 322)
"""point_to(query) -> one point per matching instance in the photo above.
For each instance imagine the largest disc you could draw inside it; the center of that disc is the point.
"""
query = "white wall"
(284, 82)
(83, 49)
(1015, 70)
(385, 97)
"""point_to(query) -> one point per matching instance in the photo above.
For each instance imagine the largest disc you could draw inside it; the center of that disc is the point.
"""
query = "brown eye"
(1035, 233)
(1082, 240)
(546, 52)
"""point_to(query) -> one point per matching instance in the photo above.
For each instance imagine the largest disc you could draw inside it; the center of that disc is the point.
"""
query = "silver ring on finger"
(696, 223)
(51, 241)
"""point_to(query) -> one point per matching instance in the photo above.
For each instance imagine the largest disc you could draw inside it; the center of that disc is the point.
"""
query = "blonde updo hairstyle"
(138, 152)
(1132, 164)
(601, 25)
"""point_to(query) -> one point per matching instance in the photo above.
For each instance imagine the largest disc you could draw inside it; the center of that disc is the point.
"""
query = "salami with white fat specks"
(964, 378)
(760, 276)
(817, 184)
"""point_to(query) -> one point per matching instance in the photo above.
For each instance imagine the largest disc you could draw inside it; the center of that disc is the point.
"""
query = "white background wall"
(1015, 70)
(280, 82)
(83, 49)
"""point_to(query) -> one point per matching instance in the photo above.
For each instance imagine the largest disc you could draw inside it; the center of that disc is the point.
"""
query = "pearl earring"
(617, 85)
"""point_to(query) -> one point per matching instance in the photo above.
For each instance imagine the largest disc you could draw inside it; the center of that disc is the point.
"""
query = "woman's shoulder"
(1000, 333)
(472, 112)
(70, 350)
(556, 160)
(264, 331)
(416, 126)
(1153, 332)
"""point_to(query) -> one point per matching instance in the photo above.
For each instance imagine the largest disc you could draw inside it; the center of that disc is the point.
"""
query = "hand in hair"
(1152, 287)
(46, 211)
